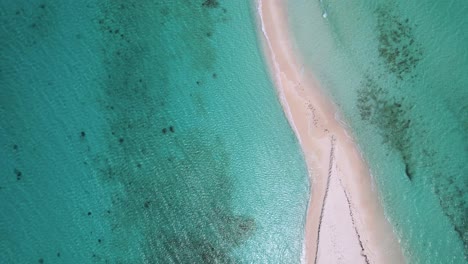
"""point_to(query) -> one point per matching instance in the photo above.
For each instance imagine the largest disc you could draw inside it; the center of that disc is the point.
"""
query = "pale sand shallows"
(345, 222)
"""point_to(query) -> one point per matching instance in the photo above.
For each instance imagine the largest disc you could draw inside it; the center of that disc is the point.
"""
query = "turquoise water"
(143, 132)
(398, 72)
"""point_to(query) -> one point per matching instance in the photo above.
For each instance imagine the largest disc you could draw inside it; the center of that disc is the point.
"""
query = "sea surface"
(398, 72)
(144, 132)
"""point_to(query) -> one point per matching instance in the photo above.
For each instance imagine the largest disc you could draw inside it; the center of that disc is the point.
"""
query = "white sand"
(345, 221)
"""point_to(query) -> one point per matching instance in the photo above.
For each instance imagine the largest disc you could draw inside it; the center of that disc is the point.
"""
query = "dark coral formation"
(18, 174)
(453, 200)
(155, 197)
(391, 116)
(171, 129)
(210, 3)
(397, 44)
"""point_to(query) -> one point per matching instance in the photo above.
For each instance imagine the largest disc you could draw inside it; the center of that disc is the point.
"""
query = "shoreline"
(345, 221)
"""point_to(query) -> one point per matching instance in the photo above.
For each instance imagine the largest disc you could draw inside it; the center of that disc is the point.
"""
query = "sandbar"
(345, 221)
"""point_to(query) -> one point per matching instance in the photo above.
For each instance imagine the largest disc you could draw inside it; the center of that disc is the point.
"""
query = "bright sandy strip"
(345, 221)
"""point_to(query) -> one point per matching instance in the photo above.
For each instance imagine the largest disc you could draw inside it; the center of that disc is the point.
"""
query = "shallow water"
(397, 71)
(143, 132)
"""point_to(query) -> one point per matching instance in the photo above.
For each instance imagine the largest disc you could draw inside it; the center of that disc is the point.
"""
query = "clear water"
(143, 132)
(398, 72)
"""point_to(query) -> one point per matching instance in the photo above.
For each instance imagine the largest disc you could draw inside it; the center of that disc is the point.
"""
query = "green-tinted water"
(143, 132)
(397, 70)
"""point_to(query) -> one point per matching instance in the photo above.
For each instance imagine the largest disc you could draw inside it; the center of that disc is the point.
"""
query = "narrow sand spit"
(345, 221)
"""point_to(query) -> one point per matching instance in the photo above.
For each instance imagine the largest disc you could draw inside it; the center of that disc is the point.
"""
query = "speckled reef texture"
(130, 133)
(397, 71)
